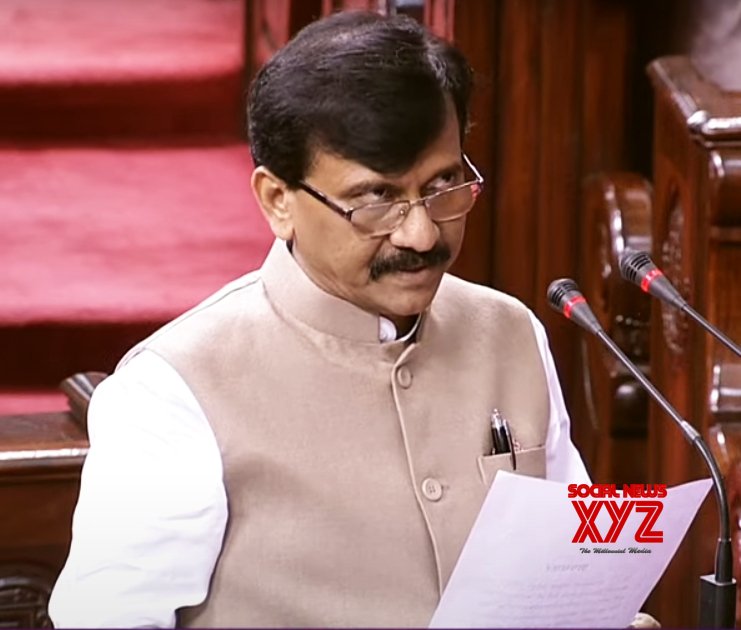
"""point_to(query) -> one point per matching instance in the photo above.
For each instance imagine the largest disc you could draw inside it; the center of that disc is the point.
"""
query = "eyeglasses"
(380, 219)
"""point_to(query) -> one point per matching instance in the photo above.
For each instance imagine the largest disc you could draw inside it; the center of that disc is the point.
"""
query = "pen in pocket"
(502, 436)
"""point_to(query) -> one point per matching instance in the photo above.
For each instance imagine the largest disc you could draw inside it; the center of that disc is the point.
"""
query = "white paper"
(519, 567)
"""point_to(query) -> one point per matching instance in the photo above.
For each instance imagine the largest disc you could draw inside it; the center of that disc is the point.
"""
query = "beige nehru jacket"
(354, 470)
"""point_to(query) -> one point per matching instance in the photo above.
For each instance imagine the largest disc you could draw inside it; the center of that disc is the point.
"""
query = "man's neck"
(403, 324)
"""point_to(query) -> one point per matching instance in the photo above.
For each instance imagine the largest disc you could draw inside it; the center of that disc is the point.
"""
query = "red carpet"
(105, 234)
(82, 68)
(110, 41)
(124, 181)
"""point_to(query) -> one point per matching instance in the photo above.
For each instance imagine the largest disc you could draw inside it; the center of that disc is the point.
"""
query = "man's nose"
(417, 231)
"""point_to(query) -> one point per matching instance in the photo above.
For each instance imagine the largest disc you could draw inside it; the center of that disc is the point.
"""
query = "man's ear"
(272, 194)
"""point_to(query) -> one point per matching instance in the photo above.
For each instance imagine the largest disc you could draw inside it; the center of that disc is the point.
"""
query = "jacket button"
(404, 376)
(432, 489)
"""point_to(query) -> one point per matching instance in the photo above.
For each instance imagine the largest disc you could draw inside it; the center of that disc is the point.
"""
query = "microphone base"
(717, 603)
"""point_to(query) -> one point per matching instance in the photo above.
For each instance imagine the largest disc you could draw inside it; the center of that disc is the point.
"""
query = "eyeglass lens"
(445, 206)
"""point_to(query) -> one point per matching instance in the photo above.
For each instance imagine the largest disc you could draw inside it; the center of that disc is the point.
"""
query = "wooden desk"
(41, 456)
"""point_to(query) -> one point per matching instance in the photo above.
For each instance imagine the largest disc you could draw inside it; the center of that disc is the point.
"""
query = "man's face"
(395, 275)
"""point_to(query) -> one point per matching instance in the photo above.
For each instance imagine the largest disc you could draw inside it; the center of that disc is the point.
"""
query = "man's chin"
(411, 293)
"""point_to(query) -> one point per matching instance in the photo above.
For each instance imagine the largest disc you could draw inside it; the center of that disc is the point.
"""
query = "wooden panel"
(538, 156)
(609, 412)
(517, 141)
(474, 27)
(609, 53)
(559, 178)
(538, 159)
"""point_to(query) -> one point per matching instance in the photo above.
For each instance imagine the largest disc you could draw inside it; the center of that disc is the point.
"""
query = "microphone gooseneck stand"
(717, 591)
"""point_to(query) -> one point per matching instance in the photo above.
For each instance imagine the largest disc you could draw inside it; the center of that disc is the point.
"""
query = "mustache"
(409, 260)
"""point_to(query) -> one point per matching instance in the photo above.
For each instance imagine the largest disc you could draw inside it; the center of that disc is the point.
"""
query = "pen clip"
(510, 443)
(502, 437)
(498, 435)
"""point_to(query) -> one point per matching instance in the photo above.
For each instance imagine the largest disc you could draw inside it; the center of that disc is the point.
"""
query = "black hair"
(364, 86)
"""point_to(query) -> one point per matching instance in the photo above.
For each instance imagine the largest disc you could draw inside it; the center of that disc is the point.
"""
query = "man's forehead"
(444, 152)
(326, 163)
(338, 172)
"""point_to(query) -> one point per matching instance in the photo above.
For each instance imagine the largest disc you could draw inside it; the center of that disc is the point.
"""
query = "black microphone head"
(565, 297)
(561, 291)
(638, 268)
(635, 265)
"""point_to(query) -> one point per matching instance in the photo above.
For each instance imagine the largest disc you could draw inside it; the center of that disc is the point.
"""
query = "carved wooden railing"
(617, 216)
(24, 593)
(41, 457)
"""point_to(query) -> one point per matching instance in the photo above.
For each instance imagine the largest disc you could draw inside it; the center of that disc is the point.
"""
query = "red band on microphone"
(650, 277)
(579, 299)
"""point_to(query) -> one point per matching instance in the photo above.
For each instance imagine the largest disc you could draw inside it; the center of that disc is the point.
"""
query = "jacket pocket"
(530, 462)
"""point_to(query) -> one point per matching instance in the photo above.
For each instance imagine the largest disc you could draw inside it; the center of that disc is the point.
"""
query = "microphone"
(638, 268)
(717, 592)
(565, 297)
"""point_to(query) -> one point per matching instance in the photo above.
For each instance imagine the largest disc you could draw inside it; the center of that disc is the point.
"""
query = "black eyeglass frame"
(348, 212)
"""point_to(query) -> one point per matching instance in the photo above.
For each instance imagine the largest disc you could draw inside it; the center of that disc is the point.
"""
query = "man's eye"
(375, 195)
(445, 180)
(382, 192)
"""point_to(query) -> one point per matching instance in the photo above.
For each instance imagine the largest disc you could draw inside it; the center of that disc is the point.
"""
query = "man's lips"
(415, 269)
(423, 273)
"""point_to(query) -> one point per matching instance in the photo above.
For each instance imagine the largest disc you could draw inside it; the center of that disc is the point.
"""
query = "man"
(311, 445)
